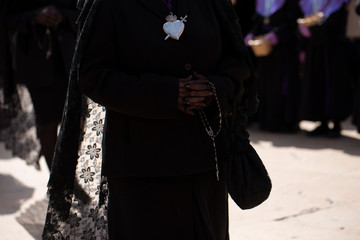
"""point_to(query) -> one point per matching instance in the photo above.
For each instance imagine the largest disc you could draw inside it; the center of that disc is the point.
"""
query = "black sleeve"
(232, 71)
(143, 95)
(228, 80)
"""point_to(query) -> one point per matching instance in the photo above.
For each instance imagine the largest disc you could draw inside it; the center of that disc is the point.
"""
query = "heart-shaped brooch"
(173, 27)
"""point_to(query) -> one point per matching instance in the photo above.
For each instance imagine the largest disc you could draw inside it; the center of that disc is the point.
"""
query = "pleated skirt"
(177, 208)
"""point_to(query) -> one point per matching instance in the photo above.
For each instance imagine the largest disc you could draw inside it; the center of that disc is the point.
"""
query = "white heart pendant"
(174, 29)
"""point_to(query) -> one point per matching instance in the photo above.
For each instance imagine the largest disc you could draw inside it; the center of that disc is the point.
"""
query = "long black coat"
(130, 69)
(32, 67)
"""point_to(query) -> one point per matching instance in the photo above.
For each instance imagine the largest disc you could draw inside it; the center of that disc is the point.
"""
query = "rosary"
(173, 27)
(209, 130)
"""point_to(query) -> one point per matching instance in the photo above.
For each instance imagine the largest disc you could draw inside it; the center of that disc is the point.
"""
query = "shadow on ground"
(16, 193)
(346, 144)
(33, 218)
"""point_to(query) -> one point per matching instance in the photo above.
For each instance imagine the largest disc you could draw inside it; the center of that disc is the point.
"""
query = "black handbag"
(248, 181)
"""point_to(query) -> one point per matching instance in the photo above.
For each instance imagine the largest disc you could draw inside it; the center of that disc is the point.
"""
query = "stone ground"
(315, 196)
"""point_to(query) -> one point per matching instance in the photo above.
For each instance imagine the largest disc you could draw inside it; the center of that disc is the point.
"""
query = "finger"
(183, 80)
(181, 100)
(204, 93)
(192, 100)
(198, 87)
(198, 105)
(199, 76)
(197, 81)
(50, 17)
(186, 109)
(184, 94)
(190, 110)
(182, 84)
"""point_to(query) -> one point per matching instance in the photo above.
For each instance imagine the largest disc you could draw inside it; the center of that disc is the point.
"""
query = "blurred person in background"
(278, 71)
(44, 35)
(6, 89)
(326, 94)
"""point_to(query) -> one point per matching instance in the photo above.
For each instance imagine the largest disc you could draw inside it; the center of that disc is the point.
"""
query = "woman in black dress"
(159, 160)
(278, 83)
(326, 87)
(45, 34)
(161, 84)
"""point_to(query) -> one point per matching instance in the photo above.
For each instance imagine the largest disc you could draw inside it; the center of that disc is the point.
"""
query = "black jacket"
(130, 69)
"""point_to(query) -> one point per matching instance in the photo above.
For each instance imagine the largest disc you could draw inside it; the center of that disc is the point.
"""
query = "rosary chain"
(209, 129)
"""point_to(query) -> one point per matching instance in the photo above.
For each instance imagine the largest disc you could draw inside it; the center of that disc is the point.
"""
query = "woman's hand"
(194, 93)
(48, 16)
(272, 38)
(247, 38)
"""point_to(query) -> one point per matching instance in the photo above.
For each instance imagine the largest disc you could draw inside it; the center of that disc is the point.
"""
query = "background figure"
(7, 85)
(278, 72)
(17, 120)
(326, 86)
(44, 34)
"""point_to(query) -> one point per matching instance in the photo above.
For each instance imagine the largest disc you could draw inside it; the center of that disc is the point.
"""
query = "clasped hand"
(48, 16)
(194, 93)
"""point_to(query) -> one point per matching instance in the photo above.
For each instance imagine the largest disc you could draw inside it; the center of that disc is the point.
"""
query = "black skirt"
(193, 207)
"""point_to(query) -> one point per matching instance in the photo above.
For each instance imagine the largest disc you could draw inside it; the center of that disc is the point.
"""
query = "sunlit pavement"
(316, 191)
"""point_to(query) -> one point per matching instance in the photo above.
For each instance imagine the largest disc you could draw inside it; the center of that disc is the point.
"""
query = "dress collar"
(182, 7)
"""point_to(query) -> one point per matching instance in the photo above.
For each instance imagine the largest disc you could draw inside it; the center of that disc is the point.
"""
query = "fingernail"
(187, 85)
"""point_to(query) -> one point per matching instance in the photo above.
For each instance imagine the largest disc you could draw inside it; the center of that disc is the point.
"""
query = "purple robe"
(326, 6)
(266, 11)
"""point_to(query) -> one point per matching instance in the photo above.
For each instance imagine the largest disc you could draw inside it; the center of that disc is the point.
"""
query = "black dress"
(159, 160)
(278, 84)
(135, 80)
(326, 86)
